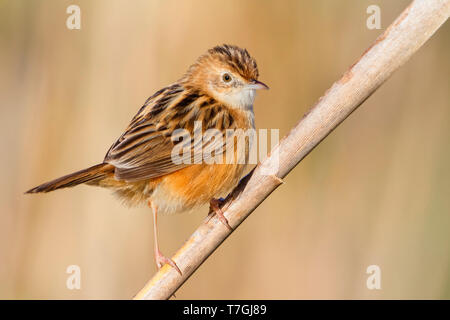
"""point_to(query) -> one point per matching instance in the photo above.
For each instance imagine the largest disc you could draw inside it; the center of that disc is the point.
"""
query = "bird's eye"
(226, 77)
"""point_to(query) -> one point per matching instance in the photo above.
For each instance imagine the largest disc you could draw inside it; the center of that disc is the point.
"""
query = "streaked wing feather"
(144, 150)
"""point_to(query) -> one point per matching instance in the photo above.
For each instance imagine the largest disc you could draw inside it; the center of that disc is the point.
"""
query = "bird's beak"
(257, 85)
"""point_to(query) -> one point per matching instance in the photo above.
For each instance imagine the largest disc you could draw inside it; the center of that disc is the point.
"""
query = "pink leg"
(214, 206)
(159, 257)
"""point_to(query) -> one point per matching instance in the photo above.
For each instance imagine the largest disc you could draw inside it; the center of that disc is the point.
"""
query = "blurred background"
(375, 192)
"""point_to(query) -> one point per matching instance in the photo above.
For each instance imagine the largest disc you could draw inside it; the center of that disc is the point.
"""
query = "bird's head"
(228, 73)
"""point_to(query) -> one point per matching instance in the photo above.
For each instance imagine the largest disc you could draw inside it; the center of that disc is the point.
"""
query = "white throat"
(239, 99)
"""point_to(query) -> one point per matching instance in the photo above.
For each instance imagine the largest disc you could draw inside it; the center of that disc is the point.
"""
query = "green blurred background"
(376, 191)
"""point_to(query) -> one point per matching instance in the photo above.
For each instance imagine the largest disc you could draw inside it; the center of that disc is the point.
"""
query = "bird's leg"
(214, 208)
(160, 259)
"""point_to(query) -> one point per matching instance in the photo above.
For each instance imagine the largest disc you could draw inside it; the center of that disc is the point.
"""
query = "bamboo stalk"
(415, 25)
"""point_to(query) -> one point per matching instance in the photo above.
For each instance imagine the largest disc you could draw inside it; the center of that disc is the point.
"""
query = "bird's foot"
(215, 208)
(162, 260)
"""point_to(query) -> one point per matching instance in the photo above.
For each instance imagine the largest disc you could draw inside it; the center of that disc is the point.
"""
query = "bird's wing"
(144, 150)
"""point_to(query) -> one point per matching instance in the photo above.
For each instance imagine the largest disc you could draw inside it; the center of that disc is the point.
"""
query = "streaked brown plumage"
(218, 91)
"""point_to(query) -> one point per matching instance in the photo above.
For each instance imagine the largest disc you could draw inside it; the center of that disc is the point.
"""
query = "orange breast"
(198, 184)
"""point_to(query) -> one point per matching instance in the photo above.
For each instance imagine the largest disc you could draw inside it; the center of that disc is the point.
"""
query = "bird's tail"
(89, 175)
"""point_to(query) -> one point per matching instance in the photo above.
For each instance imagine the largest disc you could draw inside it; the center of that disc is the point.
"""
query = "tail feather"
(92, 174)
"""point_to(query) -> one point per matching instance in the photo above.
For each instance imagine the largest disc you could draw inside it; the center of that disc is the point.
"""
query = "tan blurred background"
(376, 191)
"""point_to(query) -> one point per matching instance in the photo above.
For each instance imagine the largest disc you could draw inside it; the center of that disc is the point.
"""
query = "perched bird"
(217, 92)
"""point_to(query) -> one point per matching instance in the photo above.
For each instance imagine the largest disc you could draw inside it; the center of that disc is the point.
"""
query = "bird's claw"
(162, 260)
(215, 208)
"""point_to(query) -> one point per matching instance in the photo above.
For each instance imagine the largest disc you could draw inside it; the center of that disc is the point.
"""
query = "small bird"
(218, 92)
